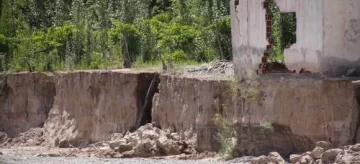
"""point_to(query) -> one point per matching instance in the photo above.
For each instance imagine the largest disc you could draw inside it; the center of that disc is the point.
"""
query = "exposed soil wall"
(287, 113)
(25, 101)
(90, 106)
(284, 113)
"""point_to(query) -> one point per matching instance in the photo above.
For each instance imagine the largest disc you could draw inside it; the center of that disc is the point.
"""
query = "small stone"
(324, 144)
(47, 155)
(330, 155)
(317, 152)
(295, 158)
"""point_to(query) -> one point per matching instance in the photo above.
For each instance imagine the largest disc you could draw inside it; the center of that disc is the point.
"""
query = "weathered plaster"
(341, 37)
(248, 29)
(328, 36)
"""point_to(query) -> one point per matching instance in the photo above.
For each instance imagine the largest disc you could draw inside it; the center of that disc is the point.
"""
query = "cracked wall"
(328, 36)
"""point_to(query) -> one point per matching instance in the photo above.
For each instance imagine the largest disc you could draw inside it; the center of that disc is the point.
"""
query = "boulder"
(260, 160)
(276, 158)
(123, 147)
(168, 146)
(329, 156)
(115, 144)
(317, 152)
(324, 144)
(295, 158)
(306, 159)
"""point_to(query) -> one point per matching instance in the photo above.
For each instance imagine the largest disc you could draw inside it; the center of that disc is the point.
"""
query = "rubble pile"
(323, 153)
(150, 141)
(32, 137)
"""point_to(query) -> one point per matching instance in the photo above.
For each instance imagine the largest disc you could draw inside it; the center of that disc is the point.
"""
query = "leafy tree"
(44, 35)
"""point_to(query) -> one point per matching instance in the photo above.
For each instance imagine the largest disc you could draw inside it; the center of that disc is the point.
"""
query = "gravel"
(82, 160)
(23, 157)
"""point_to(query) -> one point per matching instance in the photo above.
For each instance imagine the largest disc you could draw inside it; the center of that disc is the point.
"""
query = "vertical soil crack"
(144, 114)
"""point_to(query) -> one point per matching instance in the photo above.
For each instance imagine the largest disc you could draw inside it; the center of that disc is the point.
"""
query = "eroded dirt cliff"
(279, 112)
(286, 113)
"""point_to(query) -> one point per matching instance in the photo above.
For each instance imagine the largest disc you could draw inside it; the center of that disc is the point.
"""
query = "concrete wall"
(341, 37)
(328, 36)
(308, 49)
(248, 29)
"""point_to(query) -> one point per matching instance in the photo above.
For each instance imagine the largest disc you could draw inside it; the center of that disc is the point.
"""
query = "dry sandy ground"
(51, 156)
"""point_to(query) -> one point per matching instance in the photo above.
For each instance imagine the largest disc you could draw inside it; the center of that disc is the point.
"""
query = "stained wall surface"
(341, 37)
(328, 36)
(248, 29)
(308, 49)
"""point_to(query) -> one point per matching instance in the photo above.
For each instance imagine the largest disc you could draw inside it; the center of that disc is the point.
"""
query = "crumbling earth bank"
(286, 113)
(91, 106)
(283, 113)
(25, 101)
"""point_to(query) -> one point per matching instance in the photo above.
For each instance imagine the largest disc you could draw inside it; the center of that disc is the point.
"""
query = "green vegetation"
(283, 31)
(227, 137)
(266, 128)
(47, 35)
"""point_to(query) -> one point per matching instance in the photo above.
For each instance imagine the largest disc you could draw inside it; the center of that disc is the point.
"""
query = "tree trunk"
(219, 44)
(125, 52)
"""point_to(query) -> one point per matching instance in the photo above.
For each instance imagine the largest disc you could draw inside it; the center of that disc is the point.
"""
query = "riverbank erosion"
(276, 112)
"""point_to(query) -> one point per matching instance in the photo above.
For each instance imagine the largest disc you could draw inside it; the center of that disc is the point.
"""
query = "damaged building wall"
(248, 29)
(341, 37)
(308, 49)
(328, 34)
